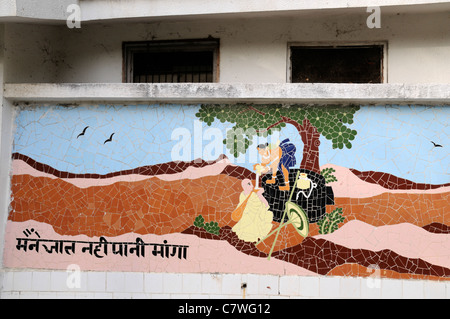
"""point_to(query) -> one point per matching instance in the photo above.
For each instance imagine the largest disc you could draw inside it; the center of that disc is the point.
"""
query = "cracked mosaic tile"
(307, 189)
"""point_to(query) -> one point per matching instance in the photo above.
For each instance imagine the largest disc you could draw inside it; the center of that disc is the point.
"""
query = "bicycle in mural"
(303, 203)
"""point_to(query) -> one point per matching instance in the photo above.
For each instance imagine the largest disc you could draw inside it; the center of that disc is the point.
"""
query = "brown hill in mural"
(169, 202)
(182, 197)
(151, 206)
(322, 256)
(437, 228)
(394, 208)
(160, 207)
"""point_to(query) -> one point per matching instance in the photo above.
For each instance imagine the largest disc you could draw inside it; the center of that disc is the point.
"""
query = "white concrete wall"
(252, 50)
(6, 123)
(134, 285)
(6, 128)
(7, 8)
(33, 53)
(3, 180)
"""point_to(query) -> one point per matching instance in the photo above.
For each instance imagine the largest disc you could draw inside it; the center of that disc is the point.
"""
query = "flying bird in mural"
(82, 133)
(109, 139)
(436, 145)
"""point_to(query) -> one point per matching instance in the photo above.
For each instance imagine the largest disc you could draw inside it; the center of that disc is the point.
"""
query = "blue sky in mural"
(393, 139)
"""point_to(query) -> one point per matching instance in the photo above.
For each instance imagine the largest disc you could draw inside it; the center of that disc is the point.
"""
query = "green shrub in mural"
(199, 221)
(330, 222)
(328, 174)
(211, 227)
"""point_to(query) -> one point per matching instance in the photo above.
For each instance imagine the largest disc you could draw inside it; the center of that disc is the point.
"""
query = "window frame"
(384, 58)
(186, 45)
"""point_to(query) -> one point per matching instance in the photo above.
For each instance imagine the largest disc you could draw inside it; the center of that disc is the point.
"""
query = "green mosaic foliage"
(330, 222)
(328, 174)
(211, 227)
(263, 120)
(199, 221)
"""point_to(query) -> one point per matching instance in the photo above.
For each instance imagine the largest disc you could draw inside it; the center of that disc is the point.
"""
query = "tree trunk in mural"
(310, 138)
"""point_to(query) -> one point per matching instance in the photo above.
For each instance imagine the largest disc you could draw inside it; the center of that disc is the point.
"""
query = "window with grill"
(336, 64)
(192, 61)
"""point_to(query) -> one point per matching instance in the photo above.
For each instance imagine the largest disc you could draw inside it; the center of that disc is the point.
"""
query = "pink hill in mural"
(405, 239)
(356, 184)
(150, 170)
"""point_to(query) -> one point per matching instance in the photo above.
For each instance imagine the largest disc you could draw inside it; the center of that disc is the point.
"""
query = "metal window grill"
(192, 61)
(337, 64)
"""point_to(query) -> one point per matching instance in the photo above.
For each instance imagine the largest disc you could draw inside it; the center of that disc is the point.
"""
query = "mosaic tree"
(311, 121)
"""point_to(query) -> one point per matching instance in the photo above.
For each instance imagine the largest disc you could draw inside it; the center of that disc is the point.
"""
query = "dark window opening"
(341, 64)
(192, 61)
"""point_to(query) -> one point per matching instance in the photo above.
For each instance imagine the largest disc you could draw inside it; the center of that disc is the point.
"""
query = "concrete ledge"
(95, 10)
(45, 11)
(30, 10)
(430, 94)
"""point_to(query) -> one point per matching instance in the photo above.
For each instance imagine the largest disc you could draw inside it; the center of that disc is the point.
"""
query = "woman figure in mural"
(256, 220)
(280, 156)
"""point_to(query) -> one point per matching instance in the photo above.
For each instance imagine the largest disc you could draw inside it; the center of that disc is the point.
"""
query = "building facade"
(235, 150)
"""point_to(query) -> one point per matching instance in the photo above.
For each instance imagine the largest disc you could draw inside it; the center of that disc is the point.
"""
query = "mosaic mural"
(338, 190)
